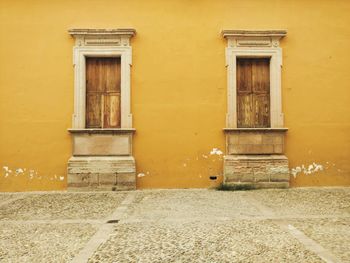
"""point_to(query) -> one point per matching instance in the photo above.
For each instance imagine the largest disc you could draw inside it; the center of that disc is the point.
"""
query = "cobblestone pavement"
(294, 225)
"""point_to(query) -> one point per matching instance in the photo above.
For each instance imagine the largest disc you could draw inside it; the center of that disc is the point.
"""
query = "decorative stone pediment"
(102, 37)
(253, 38)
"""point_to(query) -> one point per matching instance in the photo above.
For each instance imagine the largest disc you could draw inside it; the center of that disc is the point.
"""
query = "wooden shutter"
(103, 80)
(94, 91)
(244, 93)
(253, 93)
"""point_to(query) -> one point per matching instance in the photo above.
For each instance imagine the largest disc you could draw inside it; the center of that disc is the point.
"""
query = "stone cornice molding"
(102, 37)
(110, 32)
(254, 33)
(253, 38)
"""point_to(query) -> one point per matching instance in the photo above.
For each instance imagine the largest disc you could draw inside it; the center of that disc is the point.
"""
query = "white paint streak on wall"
(8, 171)
(30, 173)
(312, 168)
(19, 171)
(216, 151)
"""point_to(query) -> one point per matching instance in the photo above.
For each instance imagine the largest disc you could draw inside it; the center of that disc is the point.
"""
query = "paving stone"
(176, 225)
(189, 204)
(196, 241)
(5, 197)
(306, 201)
(333, 234)
(62, 206)
(42, 242)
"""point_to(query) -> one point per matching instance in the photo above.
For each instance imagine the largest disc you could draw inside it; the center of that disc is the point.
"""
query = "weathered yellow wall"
(178, 85)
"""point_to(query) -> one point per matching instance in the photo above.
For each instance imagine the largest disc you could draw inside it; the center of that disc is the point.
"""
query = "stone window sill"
(102, 131)
(254, 129)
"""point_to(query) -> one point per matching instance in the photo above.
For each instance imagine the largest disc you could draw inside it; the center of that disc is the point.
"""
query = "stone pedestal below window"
(255, 157)
(102, 158)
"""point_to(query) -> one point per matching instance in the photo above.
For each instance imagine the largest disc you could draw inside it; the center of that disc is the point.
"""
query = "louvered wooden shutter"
(103, 79)
(253, 93)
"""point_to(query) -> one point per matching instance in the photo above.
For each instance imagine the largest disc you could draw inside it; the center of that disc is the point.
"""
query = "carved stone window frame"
(254, 44)
(101, 43)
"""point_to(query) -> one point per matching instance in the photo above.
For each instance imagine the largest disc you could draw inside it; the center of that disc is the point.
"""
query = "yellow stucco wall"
(178, 85)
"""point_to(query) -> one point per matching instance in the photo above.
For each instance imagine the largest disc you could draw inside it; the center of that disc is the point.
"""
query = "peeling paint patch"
(141, 175)
(19, 171)
(312, 168)
(31, 174)
(216, 151)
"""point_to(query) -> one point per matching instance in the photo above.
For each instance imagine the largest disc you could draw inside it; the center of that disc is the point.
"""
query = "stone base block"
(262, 171)
(117, 172)
(259, 141)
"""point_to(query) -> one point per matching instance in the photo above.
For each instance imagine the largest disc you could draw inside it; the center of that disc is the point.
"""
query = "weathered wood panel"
(253, 92)
(93, 110)
(244, 76)
(261, 110)
(244, 111)
(112, 74)
(261, 75)
(94, 75)
(112, 110)
(103, 80)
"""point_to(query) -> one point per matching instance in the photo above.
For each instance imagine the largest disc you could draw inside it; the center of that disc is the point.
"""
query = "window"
(257, 102)
(254, 120)
(103, 80)
(102, 120)
(102, 61)
(253, 92)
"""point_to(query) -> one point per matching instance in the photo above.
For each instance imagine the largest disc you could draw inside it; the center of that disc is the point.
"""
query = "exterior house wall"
(178, 87)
